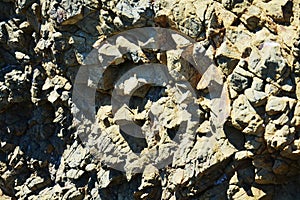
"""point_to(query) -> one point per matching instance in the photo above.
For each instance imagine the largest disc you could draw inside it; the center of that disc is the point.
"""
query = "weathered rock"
(190, 145)
(279, 11)
(278, 137)
(74, 174)
(255, 97)
(268, 62)
(295, 121)
(238, 82)
(227, 56)
(245, 118)
(277, 105)
(251, 17)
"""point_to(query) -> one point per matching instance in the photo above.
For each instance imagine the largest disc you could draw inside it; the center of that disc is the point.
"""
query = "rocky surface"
(255, 153)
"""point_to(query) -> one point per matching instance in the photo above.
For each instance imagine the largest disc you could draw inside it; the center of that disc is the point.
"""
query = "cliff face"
(225, 127)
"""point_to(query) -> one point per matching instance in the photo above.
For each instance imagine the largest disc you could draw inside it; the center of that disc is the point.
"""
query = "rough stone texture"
(256, 47)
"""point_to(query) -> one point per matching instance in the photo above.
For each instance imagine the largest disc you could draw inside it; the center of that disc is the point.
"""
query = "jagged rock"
(280, 11)
(295, 121)
(75, 157)
(278, 137)
(74, 174)
(268, 62)
(238, 82)
(277, 105)
(227, 56)
(212, 132)
(236, 190)
(257, 98)
(251, 17)
(245, 118)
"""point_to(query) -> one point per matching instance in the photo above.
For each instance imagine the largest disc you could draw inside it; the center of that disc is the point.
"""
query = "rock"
(268, 63)
(67, 14)
(236, 190)
(53, 96)
(256, 98)
(277, 105)
(37, 183)
(108, 177)
(18, 83)
(90, 167)
(228, 131)
(21, 56)
(279, 11)
(73, 193)
(3, 96)
(296, 119)
(241, 155)
(227, 56)
(237, 36)
(251, 17)
(257, 84)
(278, 138)
(280, 167)
(226, 17)
(245, 118)
(75, 157)
(179, 177)
(74, 174)
(150, 178)
(292, 151)
(238, 82)
(298, 90)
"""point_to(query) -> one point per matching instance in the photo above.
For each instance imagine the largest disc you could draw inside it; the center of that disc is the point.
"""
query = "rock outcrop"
(242, 143)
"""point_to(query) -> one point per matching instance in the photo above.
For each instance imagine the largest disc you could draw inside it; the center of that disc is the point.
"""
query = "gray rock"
(268, 63)
(238, 82)
(256, 98)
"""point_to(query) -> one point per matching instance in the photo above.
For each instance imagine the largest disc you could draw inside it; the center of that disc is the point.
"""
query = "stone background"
(254, 43)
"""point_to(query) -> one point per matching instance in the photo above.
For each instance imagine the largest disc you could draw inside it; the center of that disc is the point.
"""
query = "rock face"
(243, 143)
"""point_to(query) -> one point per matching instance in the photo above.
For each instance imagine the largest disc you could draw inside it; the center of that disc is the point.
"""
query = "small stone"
(296, 119)
(21, 56)
(241, 155)
(90, 167)
(277, 105)
(227, 56)
(53, 96)
(245, 118)
(278, 137)
(74, 173)
(238, 82)
(257, 98)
